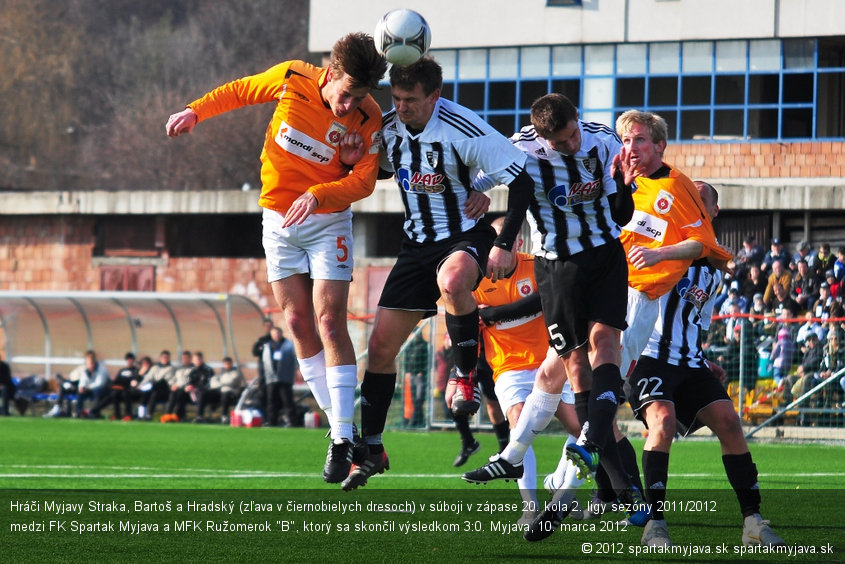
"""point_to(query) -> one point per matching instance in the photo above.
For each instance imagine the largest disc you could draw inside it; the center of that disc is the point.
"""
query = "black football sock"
(462, 425)
(463, 329)
(629, 461)
(503, 434)
(376, 395)
(582, 402)
(656, 472)
(607, 388)
(742, 474)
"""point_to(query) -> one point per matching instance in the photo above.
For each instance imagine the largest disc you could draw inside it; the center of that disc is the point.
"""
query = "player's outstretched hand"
(476, 205)
(300, 209)
(180, 123)
(352, 148)
(622, 164)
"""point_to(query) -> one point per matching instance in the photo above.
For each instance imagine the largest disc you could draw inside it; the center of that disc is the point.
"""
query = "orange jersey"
(667, 211)
(513, 344)
(301, 144)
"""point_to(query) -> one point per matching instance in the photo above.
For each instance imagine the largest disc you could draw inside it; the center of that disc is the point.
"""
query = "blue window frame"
(706, 90)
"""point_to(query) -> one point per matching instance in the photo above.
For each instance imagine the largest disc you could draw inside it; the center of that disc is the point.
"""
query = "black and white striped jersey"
(435, 168)
(569, 210)
(685, 312)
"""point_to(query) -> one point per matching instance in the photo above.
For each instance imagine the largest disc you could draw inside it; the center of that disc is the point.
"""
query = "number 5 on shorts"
(342, 249)
(558, 342)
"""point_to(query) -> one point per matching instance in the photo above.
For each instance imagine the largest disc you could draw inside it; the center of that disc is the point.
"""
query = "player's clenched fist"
(183, 122)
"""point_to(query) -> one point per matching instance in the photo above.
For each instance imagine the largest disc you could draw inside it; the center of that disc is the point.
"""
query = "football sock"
(528, 483)
(612, 464)
(463, 329)
(538, 410)
(656, 472)
(742, 475)
(341, 382)
(629, 461)
(563, 463)
(603, 403)
(376, 395)
(503, 434)
(582, 402)
(313, 370)
(462, 425)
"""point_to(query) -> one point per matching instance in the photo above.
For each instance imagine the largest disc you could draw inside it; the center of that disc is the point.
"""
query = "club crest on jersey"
(335, 133)
(693, 293)
(432, 158)
(419, 183)
(591, 164)
(570, 195)
(663, 202)
(524, 286)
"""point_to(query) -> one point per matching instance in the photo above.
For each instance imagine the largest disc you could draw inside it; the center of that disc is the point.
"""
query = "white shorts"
(642, 315)
(321, 246)
(513, 386)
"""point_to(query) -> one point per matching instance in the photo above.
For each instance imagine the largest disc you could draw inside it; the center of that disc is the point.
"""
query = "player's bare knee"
(661, 425)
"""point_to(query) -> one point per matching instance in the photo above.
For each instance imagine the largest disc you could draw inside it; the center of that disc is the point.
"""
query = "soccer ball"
(402, 36)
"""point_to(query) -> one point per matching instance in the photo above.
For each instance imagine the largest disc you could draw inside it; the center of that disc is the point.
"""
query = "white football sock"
(342, 381)
(538, 410)
(528, 483)
(313, 371)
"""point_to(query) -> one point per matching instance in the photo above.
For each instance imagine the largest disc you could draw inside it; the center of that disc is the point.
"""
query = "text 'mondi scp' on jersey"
(685, 311)
(569, 209)
(301, 145)
(435, 168)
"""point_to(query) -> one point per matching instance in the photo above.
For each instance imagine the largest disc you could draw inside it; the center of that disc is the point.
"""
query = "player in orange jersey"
(515, 345)
(320, 155)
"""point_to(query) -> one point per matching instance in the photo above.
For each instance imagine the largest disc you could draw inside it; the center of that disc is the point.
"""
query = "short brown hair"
(355, 55)
(426, 72)
(551, 113)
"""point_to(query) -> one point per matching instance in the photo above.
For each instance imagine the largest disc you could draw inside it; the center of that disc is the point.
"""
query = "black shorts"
(690, 389)
(589, 286)
(412, 283)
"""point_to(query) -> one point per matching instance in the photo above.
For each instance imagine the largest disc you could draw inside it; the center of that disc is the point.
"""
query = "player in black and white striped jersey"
(435, 148)
(576, 212)
(673, 386)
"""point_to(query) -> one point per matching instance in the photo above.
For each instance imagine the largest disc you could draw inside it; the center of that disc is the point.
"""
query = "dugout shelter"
(47, 333)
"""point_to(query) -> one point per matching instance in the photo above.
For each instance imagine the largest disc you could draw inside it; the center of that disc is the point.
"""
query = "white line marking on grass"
(122, 472)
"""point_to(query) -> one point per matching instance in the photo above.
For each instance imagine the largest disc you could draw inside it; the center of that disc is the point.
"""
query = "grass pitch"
(184, 492)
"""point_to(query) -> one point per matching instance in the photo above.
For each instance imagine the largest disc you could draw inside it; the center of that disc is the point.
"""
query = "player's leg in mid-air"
(310, 281)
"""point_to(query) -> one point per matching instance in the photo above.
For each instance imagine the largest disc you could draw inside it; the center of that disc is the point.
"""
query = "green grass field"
(275, 474)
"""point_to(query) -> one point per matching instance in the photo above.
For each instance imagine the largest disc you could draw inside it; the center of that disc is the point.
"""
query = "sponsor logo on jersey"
(648, 225)
(302, 145)
(519, 321)
(663, 202)
(541, 152)
(419, 183)
(574, 194)
(525, 287)
(335, 133)
(693, 293)
(432, 158)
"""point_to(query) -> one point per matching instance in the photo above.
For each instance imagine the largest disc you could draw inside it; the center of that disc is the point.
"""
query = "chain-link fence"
(782, 371)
